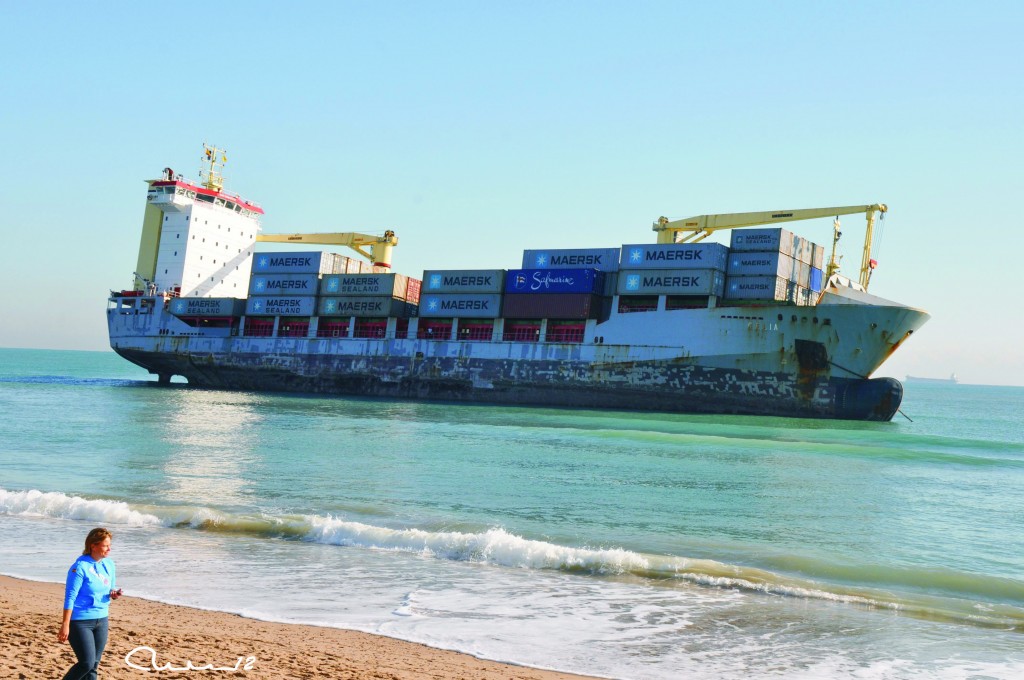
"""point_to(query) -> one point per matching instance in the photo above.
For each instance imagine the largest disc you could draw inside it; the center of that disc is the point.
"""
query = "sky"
(476, 130)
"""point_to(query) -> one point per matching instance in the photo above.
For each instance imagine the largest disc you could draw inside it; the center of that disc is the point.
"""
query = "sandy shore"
(30, 619)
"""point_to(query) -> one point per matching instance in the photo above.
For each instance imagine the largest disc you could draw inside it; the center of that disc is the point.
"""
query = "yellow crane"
(693, 229)
(379, 252)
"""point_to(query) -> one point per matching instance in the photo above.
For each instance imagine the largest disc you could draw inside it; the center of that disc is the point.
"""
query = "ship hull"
(681, 387)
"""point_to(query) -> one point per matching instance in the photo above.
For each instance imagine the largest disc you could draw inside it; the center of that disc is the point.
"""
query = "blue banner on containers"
(207, 307)
(289, 263)
(274, 305)
(674, 256)
(816, 276)
(671, 282)
(287, 284)
(458, 305)
(554, 281)
(463, 281)
(605, 259)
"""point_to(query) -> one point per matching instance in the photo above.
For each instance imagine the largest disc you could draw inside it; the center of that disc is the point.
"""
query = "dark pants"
(88, 637)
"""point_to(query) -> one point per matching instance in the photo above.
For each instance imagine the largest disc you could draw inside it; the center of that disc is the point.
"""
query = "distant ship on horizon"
(951, 380)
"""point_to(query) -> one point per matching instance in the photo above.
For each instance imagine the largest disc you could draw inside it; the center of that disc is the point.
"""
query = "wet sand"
(30, 619)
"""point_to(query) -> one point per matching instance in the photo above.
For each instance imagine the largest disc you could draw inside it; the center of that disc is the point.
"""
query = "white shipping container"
(818, 257)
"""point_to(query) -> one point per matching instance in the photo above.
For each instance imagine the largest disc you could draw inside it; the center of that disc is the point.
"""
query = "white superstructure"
(198, 240)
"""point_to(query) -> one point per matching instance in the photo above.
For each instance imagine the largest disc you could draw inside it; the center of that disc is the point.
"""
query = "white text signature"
(244, 663)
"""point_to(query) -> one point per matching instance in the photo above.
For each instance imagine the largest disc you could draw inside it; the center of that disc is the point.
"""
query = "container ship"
(764, 326)
(951, 380)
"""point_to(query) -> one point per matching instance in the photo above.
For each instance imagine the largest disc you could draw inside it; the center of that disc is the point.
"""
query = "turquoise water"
(609, 543)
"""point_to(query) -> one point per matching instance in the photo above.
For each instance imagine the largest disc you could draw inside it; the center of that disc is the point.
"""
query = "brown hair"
(97, 535)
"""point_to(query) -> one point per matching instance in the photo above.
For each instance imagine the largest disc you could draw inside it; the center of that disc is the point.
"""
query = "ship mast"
(209, 171)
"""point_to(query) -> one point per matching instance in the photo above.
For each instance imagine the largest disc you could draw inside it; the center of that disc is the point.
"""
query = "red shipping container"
(551, 306)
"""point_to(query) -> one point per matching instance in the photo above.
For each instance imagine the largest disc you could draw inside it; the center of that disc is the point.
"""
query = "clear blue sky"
(478, 129)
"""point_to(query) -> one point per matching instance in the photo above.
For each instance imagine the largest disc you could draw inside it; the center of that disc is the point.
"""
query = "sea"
(613, 544)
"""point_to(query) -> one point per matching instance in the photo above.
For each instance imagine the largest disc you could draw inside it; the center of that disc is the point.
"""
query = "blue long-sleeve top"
(87, 591)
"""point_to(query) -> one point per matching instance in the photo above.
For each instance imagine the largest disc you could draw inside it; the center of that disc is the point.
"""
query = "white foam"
(494, 546)
(34, 503)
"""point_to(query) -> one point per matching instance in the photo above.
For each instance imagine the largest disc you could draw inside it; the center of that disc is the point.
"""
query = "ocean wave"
(499, 547)
(59, 505)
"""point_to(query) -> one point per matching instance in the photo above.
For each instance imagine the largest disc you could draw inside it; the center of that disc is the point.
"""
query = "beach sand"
(30, 618)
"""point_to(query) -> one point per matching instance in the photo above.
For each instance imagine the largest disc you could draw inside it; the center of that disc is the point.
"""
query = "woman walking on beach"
(87, 596)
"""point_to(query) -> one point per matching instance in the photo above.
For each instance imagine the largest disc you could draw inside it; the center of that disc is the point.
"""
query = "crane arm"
(379, 252)
(692, 229)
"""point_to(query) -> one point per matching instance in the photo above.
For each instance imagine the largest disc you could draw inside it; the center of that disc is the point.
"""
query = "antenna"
(209, 171)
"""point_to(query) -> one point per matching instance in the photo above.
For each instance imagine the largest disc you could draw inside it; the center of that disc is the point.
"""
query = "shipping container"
(288, 327)
(565, 331)
(389, 285)
(460, 305)
(258, 327)
(637, 303)
(774, 239)
(434, 329)
(280, 305)
(552, 306)
(527, 330)
(674, 256)
(476, 329)
(293, 263)
(671, 282)
(207, 307)
(802, 296)
(361, 306)
(284, 284)
(816, 280)
(332, 327)
(801, 274)
(412, 290)
(370, 328)
(554, 281)
(686, 302)
(479, 281)
(603, 259)
(757, 288)
(762, 263)
(818, 258)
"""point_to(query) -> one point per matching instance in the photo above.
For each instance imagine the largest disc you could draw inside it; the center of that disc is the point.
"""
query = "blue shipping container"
(674, 256)
(554, 281)
(671, 282)
(290, 263)
(286, 284)
(207, 307)
(281, 305)
(463, 281)
(605, 259)
(461, 305)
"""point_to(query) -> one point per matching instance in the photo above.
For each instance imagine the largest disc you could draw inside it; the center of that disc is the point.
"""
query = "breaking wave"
(499, 547)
